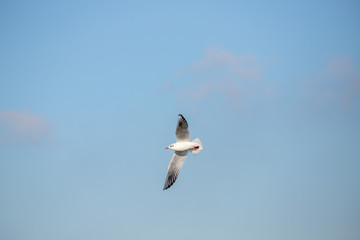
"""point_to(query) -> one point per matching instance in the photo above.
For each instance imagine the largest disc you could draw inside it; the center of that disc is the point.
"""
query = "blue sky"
(89, 97)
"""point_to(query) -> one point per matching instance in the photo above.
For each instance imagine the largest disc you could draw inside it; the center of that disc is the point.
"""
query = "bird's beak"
(167, 148)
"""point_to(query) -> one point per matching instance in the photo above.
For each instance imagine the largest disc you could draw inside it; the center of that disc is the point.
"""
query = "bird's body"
(181, 148)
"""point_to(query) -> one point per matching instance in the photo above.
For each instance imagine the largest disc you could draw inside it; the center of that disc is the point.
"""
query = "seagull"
(181, 148)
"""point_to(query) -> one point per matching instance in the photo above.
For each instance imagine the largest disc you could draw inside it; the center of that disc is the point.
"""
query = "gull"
(181, 148)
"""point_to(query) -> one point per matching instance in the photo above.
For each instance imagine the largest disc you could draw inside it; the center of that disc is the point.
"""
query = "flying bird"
(181, 148)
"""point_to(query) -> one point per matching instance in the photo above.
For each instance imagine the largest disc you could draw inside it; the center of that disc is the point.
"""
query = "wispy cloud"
(345, 71)
(223, 75)
(337, 83)
(245, 66)
(22, 126)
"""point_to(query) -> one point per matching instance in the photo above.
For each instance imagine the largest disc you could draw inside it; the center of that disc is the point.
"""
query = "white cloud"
(338, 82)
(22, 126)
(221, 74)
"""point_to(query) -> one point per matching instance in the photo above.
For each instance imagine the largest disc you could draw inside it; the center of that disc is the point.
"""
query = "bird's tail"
(199, 146)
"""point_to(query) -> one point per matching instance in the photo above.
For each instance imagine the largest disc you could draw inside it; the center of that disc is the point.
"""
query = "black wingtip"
(168, 186)
(182, 121)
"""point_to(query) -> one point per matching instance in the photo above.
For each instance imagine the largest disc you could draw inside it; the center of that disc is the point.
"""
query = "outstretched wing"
(182, 132)
(175, 165)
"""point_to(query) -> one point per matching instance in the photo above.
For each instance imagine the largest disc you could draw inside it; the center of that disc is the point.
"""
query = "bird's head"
(170, 146)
